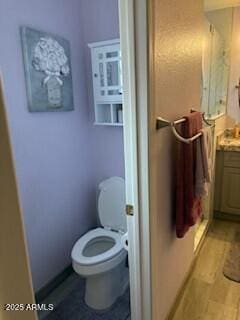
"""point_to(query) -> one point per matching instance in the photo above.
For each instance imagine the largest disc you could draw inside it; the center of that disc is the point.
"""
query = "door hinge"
(129, 210)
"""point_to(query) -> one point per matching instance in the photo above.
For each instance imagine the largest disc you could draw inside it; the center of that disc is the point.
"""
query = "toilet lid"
(111, 204)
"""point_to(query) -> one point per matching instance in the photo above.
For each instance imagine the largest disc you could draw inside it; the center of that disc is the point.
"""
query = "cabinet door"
(230, 202)
(107, 76)
(232, 159)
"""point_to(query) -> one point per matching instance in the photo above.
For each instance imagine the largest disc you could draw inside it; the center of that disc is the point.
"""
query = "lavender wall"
(60, 157)
(100, 21)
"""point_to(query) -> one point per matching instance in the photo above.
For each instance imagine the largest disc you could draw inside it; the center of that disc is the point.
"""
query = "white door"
(15, 277)
(134, 40)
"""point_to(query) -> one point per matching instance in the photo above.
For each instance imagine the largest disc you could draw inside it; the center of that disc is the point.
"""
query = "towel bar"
(162, 123)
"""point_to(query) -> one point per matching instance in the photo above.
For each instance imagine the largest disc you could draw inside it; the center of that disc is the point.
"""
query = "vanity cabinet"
(227, 184)
(230, 201)
(107, 82)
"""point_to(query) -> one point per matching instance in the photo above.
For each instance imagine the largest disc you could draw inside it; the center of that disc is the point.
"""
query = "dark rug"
(74, 307)
(231, 268)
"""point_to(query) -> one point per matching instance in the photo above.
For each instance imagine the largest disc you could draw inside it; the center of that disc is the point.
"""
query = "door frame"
(134, 48)
(17, 271)
(133, 26)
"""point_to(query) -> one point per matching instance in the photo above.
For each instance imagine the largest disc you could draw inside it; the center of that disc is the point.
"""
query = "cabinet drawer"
(232, 159)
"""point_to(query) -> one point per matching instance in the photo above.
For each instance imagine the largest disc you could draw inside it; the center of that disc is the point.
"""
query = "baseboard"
(53, 284)
(196, 252)
(181, 291)
(226, 216)
(187, 277)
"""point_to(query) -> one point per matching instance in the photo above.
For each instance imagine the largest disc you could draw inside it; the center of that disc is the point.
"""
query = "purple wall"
(100, 21)
(60, 157)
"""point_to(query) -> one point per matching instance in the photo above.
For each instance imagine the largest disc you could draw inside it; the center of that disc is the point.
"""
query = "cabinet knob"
(95, 75)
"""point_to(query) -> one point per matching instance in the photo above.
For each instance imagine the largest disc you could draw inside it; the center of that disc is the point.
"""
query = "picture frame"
(48, 73)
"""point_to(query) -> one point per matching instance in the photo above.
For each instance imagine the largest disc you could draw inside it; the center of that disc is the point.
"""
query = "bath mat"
(231, 268)
(74, 307)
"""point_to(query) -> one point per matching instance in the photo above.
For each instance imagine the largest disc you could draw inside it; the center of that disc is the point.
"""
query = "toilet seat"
(77, 252)
(111, 204)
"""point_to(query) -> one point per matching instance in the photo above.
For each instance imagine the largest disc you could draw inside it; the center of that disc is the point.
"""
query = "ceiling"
(220, 4)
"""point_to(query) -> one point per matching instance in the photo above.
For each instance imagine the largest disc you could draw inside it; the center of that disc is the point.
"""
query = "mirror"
(216, 61)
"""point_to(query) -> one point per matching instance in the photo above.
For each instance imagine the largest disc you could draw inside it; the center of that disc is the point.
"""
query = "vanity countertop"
(226, 142)
(229, 144)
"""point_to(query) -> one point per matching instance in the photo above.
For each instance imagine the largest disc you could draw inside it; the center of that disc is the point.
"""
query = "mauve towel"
(188, 206)
(204, 162)
(200, 180)
(207, 152)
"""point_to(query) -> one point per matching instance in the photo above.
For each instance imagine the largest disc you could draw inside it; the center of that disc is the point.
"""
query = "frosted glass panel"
(112, 54)
(216, 61)
(101, 74)
(113, 92)
(112, 73)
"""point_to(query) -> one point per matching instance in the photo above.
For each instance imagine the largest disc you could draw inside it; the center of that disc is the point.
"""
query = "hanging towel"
(207, 152)
(188, 206)
(204, 163)
(201, 187)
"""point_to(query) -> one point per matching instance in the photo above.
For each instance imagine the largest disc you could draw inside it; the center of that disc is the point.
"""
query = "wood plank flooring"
(208, 294)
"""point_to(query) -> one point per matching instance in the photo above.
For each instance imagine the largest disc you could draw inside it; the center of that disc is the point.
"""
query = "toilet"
(99, 255)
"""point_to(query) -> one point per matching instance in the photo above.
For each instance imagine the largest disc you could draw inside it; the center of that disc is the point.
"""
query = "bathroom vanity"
(227, 182)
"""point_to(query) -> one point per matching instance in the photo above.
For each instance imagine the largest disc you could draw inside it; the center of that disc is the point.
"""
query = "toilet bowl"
(99, 255)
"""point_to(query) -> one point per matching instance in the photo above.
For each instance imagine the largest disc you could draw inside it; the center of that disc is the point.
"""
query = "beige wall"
(15, 282)
(175, 70)
(220, 4)
(233, 101)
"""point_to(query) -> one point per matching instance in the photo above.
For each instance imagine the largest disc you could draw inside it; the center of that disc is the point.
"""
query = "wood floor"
(208, 294)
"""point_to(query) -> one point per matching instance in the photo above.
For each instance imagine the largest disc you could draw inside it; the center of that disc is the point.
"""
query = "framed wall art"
(48, 73)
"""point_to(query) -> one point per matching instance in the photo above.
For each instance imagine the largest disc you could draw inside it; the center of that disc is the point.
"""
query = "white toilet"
(99, 255)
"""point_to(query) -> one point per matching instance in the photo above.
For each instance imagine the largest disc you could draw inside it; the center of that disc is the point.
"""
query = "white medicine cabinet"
(107, 82)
